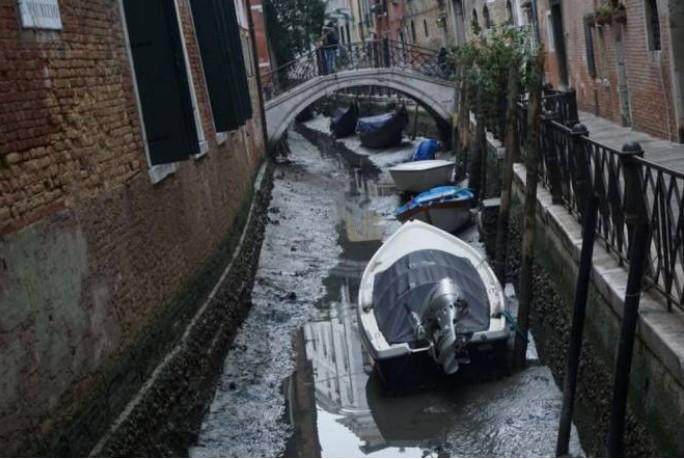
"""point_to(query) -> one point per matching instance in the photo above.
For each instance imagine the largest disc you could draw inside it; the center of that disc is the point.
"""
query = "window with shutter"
(217, 30)
(162, 80)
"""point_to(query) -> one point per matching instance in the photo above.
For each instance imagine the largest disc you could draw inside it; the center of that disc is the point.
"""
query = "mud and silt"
(297, 381)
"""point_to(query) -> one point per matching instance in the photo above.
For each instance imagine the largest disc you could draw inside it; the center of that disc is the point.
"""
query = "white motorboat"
(446, 207)
(427, 300)
(419, 176)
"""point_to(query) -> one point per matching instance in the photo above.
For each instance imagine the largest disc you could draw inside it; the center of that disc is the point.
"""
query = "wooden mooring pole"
(477, 151)
(637, 219)
(589, 209)
(530, 211)
(510, 146)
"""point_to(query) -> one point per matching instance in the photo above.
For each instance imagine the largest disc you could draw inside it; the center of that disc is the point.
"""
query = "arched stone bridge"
(417, 72)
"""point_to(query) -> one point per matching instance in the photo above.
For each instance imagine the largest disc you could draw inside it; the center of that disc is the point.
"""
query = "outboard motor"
(444, 307)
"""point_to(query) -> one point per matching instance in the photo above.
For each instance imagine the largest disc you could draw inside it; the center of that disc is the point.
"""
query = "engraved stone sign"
(40, 14)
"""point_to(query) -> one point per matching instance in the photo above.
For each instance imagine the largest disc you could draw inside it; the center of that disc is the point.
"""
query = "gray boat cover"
(400, 291)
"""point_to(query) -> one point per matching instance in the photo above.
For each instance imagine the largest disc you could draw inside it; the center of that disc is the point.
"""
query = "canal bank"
(653, 425)
(163, 418)
(338, 216)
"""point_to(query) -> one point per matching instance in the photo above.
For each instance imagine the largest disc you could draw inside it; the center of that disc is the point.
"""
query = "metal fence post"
(581, 163)
(573, 113)
(589, 211)
(551, 158)
(637, 219)
(386, 52)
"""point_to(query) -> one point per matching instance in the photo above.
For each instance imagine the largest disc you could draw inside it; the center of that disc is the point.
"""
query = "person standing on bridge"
(330, 43)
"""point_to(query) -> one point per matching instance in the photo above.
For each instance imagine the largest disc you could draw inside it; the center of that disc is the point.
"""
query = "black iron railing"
(573, 165)
(355, 56)
(663, 189)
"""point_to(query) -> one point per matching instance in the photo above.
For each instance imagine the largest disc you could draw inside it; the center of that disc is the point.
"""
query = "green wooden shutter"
(162, 80)
(238, 59)
(217, 65)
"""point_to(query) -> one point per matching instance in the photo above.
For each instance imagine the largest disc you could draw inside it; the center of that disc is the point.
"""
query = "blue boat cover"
(426, 150)
(435, 195)
(372, 123)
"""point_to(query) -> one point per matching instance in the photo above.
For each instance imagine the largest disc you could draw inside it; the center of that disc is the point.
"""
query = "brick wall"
(498, 14)
(418, 11)
(648, 75)
(260, 36)
(92, 253)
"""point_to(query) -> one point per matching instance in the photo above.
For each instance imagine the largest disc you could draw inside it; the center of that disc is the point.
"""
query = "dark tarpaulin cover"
(400, 291)
(372, 123)
(343, 122)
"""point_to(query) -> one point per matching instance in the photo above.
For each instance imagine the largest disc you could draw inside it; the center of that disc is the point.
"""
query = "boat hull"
(419, 180)
(418, 370)
(449, 216)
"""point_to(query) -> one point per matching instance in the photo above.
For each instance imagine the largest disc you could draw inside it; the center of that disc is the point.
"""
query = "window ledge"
(221, 138)
(204, 149)
(160, 172)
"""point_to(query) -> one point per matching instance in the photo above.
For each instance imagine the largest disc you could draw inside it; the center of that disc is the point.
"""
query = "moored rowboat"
(426, 300)
(343, 121)
(446, 207)
(419, 176)
(382, 131)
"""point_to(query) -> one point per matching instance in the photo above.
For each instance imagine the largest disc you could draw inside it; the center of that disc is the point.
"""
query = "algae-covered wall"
(656, 404)
(101, 260)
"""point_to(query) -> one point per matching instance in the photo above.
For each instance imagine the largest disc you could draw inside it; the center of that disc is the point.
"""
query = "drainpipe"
(675, 10)
(535, 21)
(257, 70)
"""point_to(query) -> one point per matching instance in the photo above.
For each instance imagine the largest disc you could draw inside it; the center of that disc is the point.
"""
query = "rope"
(514, 325)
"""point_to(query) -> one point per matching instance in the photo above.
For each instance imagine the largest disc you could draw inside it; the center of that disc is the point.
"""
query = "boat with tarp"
(382, 131)
(446, 207)
(426, 301)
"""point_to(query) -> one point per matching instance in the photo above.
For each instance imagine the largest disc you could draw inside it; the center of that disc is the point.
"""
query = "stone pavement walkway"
(662, 151)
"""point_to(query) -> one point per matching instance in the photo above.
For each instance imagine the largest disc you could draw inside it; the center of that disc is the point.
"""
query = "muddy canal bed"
(297, 381)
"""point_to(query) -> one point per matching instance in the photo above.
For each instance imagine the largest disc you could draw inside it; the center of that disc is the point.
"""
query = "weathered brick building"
(389, 19)
(129, 139)
(426, 23)
(625, 59)
(260, 37)
(487, 14)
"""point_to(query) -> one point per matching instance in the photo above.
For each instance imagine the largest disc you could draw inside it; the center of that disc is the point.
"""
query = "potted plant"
(590, 19)
(620, 13)
(603, 14)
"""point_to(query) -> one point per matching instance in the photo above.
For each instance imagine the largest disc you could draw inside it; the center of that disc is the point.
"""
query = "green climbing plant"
(485, 62)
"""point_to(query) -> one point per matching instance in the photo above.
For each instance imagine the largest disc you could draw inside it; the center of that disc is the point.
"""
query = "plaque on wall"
(40, 14)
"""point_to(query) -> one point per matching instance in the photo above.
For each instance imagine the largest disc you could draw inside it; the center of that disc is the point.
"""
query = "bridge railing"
(573, 165)
(355, 56)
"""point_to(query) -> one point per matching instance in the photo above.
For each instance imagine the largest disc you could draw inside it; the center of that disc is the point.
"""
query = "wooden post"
(636, 217)
(475, 159)
(589, 210)
(483, 155)
(530, 208)
(463, 128)
(510, 145)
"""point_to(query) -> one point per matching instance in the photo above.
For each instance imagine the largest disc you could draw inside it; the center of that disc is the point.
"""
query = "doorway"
(459, 22)
(559, 40)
